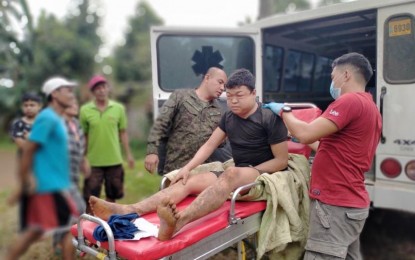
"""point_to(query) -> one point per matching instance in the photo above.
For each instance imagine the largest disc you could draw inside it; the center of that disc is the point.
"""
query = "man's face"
(73, 109)
(216, 83)
(240, 100)
(30, 108)
(100, 91)
(64, 96)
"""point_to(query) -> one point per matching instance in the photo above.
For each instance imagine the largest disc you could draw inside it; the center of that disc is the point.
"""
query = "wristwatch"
(286, 109)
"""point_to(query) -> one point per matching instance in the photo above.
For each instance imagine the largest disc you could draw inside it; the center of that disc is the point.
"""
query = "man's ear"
(349, 74)
(54, 93)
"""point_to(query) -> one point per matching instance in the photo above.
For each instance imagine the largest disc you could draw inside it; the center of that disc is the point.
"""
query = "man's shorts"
(111, 176)
(334, 231)
(49, 211)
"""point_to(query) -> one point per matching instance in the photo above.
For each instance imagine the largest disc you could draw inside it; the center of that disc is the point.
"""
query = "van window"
(399, 54)
(298, 71)
(322, 75)
(183, 60)
(273, 60)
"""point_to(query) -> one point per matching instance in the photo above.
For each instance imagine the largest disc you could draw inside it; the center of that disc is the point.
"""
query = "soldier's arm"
(163, 123)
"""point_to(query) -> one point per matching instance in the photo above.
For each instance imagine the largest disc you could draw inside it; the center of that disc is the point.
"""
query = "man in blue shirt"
(48, 205)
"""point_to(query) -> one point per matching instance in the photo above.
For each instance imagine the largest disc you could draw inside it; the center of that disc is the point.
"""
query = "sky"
(216, 13)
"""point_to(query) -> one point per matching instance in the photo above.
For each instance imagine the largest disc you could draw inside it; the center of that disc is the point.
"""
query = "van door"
(395, 157)
(181, 56)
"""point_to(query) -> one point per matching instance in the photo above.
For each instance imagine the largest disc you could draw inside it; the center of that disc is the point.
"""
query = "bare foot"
(168, 219)
(104, 209)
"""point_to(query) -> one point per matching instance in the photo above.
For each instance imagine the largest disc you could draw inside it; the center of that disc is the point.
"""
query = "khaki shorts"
(334, 231)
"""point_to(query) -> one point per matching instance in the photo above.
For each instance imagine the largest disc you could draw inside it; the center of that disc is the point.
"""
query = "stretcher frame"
(237, 229)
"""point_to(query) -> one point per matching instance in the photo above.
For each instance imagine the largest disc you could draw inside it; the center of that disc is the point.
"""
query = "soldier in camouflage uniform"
(186, 121)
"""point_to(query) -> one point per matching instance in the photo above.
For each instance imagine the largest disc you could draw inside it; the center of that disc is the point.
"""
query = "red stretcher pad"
(152, 248)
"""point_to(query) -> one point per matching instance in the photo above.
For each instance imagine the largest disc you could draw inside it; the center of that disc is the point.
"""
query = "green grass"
(6, 142)
(139, 184)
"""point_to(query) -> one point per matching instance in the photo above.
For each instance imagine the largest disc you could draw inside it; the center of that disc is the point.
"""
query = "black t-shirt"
(19, 128)
(251, 138)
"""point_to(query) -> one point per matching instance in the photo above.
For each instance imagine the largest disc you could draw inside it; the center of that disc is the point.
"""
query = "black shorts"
(217, 173)
(111, 176)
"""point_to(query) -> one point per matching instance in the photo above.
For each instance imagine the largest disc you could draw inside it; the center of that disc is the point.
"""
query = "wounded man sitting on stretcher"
(258, 140)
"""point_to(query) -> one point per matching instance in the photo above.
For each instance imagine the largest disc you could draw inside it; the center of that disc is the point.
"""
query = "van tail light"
(410, 170)
(391, 168)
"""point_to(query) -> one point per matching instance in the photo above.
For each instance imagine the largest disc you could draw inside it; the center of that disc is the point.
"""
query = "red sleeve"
(343, 110)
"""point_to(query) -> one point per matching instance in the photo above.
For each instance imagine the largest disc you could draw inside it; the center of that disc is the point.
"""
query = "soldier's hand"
(151, 162)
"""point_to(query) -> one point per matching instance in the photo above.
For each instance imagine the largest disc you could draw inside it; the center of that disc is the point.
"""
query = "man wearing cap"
(104, 122)
(48, 205)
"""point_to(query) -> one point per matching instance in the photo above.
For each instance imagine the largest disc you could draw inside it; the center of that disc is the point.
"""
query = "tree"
(16, 41)
(270, 7)
(67, 47)
(133, 59)
(328, 2)
(56, 47)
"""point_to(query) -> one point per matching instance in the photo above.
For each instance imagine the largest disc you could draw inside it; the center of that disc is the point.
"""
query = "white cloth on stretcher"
(146, 229)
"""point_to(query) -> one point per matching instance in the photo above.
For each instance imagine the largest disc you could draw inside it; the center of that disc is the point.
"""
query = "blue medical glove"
(295, 140)
(275, 107)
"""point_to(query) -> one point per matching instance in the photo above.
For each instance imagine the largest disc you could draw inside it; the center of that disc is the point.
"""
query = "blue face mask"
(334, 92)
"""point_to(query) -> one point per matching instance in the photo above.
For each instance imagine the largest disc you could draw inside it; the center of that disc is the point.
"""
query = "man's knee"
(230, 172)
(231, 175)
(198, 182)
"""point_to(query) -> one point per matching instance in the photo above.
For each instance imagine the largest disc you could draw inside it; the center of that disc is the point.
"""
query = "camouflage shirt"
(187, 123)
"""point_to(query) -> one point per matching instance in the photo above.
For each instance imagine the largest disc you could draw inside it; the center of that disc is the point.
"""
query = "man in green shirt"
(104, 122)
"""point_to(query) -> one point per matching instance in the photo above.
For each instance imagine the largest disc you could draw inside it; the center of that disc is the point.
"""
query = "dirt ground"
(7, 169)
(387, 234)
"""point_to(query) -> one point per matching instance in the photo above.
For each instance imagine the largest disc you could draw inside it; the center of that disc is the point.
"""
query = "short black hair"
(31, 96)
(357, 60)
(241, 77)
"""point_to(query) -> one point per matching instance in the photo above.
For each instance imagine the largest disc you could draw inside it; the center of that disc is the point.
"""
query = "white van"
(291, 57)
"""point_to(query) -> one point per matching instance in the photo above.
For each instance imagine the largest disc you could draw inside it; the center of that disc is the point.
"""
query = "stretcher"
(230, 224)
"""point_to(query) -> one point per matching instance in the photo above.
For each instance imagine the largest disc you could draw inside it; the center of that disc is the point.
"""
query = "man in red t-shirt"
(348, 132)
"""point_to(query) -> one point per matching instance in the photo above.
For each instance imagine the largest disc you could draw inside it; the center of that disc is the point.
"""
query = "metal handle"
(382, 95)
(80, 243)
(232, 218)
(301, 105)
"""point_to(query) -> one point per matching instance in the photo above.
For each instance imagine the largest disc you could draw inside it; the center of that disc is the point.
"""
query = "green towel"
(284, 226)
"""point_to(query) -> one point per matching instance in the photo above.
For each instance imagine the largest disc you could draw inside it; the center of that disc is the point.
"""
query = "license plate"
(400, 27)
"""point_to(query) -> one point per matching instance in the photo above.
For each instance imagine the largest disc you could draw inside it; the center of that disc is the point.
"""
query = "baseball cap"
(95, 80)
(54, 83)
